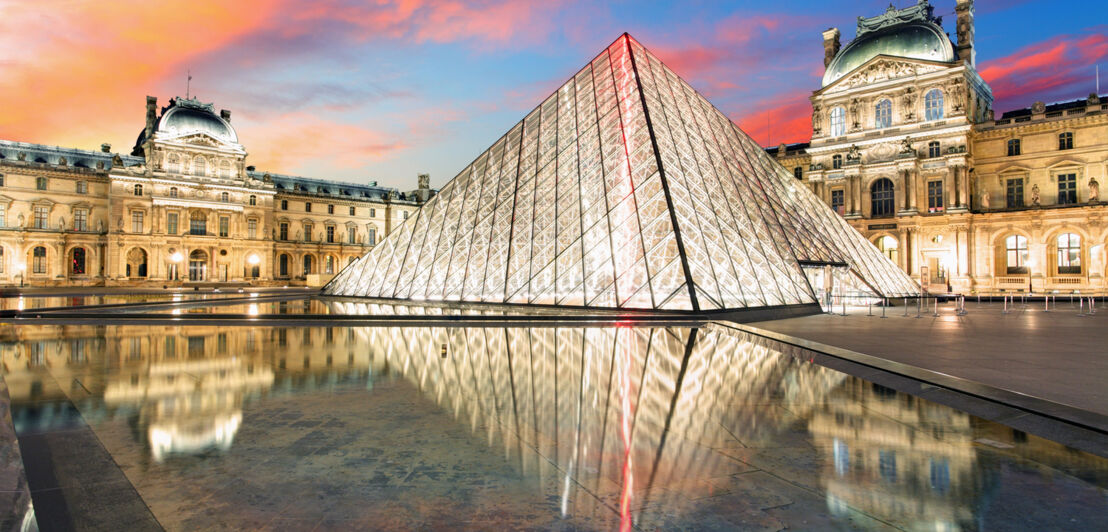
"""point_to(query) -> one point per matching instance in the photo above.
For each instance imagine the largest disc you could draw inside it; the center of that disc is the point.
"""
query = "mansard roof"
(52, 155)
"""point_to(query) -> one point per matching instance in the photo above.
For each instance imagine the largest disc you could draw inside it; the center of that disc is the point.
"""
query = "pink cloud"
(1046, 70)
(786, 118)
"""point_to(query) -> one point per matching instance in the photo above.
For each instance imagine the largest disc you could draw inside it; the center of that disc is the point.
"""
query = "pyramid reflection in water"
(624, 189)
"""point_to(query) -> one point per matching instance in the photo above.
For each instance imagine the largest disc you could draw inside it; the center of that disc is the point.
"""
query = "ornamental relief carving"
(884, 70)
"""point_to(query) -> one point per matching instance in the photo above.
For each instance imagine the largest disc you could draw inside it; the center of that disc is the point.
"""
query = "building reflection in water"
(643, 422)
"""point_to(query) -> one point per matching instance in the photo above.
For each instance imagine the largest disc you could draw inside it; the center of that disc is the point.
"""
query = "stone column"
(902, 240)
(913, 177)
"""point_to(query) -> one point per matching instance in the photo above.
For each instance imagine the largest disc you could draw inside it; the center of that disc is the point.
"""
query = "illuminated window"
(883, 114)
(838, 121)
(1069, 253)
(888, 246)
(933, 104)
(77, 263)
(1015, 247)
(329, 265)
(198, 223)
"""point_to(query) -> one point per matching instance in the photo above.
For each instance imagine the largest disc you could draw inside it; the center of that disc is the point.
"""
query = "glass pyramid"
(624, 189)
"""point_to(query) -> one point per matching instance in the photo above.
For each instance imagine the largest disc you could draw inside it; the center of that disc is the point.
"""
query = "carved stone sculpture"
(1035, 195)
(906, 145)
(985, 200)
(1094, 190)
(854, 154)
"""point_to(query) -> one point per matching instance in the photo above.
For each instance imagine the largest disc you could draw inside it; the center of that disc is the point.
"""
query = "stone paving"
(1059, 355)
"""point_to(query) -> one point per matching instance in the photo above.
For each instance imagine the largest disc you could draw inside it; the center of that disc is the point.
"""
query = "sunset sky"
(382, 90)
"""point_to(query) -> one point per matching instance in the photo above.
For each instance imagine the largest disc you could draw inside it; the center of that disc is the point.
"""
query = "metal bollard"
(884, 306)
(870, 305)
(905, 307)
(1081, 306)
(1092, 309)
(844, 305)
(1005, 304)
(936, 307)
(919, 306)
(1046, 303)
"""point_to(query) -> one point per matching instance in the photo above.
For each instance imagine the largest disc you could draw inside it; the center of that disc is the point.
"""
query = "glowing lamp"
(253, 259)
(176, 256)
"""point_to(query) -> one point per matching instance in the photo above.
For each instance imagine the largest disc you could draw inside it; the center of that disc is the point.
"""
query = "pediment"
(1063, 162)
(197, 139)
(1014, 169)
(884, 68)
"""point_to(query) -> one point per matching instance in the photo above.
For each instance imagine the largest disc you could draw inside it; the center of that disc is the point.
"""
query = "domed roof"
(191, 116)
(913, 40)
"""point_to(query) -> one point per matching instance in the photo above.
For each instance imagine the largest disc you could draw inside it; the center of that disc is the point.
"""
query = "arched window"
(199, 166)
(838, 121)
(836, 162)
(198, 265)
(1015, 248)
(77, 262)
(881, 198)
(933, 104)
(198, 223)
(38, 260)
(225, 197)
(173, 192)
(883, 114)
(307, 264)
(138, 190)
(888, 246)
(253, 199)
(136, 262)
(1069, 253)
(174, 164)
(934, 149)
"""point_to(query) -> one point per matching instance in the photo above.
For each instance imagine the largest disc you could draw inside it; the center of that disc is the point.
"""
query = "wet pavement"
(591, 428)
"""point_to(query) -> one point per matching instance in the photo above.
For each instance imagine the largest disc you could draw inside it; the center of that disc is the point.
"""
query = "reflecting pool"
(600, 427)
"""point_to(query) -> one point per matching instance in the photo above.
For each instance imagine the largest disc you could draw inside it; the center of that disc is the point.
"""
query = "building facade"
(907, 148)
(183, 207)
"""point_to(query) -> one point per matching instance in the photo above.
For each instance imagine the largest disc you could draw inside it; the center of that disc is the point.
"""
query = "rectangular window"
(352, 234)
(352, 211)
(372, 212)
(224, 226)
(171, 223)
(40, 183)
(1015, 193)
(307, 232)
(198, 224)
(330, 209)
(405, 215)
(307, 207)
(284, 205)
(136, 221)
(1065, 141)
(80, 219)
(42, 215)
(82, 187)
(3, 215)
(330, 234)
(837, 201)
(934, 196)
(1013, 147)
(283, 231)
(1067, 189)
(252, 228)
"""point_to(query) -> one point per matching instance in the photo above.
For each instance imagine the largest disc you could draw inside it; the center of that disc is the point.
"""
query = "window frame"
(935, 196)
(1068, 253)
(934, 149)
(1013, 249)
(1014, 148)
(1067, 188)
(837, 121)
(883, 200)
(1013, 193)
(933, 105)
(883, 114)
(1065, 140)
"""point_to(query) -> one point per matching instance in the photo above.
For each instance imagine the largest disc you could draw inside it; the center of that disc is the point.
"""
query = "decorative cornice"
(202, 204)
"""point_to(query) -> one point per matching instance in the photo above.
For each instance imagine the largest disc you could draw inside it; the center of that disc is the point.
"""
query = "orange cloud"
(786, 118)
(301, 139)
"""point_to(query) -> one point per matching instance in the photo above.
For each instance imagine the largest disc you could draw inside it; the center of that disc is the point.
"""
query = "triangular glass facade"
(624, 189)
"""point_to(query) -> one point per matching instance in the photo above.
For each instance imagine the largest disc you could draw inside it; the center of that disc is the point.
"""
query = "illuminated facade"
(624, 189)
(183, 207)
(906, 147)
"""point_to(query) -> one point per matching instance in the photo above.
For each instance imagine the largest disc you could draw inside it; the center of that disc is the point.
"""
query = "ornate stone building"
(182, 207)
(905, 146)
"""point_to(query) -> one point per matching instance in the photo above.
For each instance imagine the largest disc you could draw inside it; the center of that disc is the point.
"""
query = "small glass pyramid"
(624, 189)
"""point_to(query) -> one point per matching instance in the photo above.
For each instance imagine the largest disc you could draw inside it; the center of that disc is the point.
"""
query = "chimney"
(964, 9)
(106, 148)
(151, 115)
(831, 45)
(225, 114)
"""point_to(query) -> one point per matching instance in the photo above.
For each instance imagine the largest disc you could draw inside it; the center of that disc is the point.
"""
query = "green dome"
(914, 40)
(187, 117)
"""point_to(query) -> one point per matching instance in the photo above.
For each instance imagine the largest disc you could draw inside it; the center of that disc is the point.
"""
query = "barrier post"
(884, 306)
(936, 306)
(870, 306)
(905, 307)
(1005, 304)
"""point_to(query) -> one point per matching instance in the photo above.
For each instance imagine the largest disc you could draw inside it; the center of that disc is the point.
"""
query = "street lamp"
(21, 267)
(253, 260)
(176, 257)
